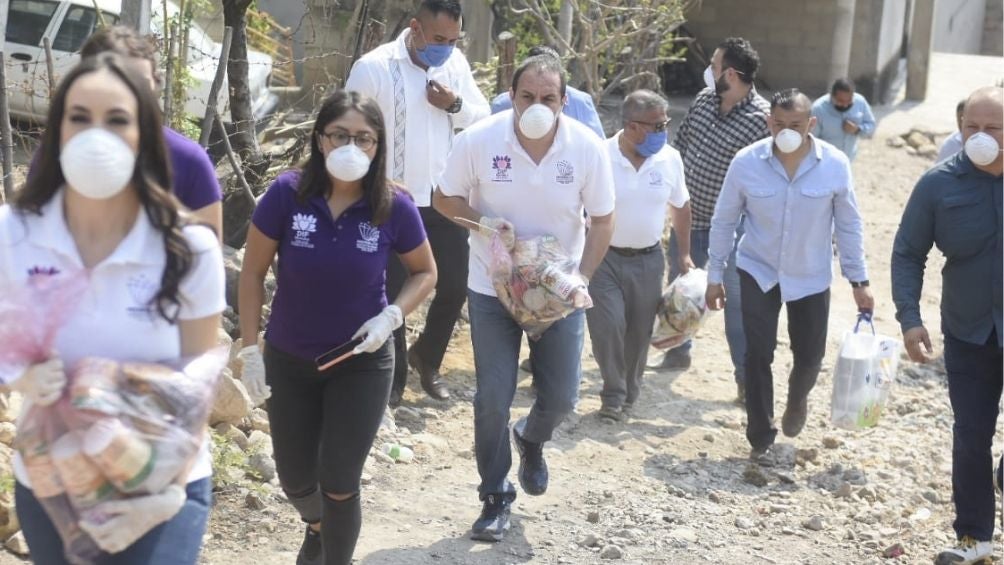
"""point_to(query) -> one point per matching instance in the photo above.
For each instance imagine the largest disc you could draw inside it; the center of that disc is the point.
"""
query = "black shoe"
(395, 398)
(494, 519)
(310, 549)
(532, 467)
(794, 417)
(674, 360)
(429, 377)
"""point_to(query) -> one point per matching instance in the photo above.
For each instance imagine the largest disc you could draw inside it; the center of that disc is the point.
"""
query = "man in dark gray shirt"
(957, 206)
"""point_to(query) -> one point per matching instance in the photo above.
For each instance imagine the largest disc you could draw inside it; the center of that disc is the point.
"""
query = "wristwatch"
(455, 107)
(859, 284)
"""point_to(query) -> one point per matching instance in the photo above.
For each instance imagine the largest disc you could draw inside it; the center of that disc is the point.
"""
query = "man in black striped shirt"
(725, 117)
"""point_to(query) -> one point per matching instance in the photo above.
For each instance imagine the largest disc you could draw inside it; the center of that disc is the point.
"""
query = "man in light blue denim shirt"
(842, 117)
(796, 193)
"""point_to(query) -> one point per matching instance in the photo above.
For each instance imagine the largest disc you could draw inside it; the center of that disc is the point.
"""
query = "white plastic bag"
(863, 377)
(682, 310)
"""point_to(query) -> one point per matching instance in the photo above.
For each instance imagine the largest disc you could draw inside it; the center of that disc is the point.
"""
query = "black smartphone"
(334, 356)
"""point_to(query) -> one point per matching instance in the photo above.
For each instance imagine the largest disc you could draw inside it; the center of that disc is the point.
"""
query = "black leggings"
(323, 425)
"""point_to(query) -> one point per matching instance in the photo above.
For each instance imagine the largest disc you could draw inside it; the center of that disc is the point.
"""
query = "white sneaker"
(968, 551)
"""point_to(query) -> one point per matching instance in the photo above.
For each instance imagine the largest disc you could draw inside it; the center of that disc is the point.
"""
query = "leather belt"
(631, 251)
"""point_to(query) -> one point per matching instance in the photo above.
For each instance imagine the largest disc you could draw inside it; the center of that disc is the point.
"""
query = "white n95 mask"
(788, 140)
(709, 78)
(982, 149)
(536, 121)
(97, 163)
(348, 163)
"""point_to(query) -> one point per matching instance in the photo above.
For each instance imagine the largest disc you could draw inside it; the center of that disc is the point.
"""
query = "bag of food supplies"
(537, 282)
(120, 429)
(863, 377)
(682, 310)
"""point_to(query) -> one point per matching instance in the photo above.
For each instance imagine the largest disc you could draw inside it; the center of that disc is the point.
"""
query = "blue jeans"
(556, 358)
(175, 542)
(974, 388)
(733, 299)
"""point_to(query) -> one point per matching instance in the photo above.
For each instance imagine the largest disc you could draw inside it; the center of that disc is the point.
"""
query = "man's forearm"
(597, 243)
(453, 207)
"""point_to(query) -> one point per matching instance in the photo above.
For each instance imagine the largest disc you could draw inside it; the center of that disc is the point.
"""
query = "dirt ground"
(671, 485)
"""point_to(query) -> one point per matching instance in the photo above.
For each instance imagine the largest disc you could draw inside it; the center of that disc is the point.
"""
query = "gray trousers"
(625, 293)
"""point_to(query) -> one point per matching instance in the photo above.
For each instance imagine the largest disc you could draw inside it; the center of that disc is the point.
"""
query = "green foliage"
(7, 484)
(230, 463)
(181, 78)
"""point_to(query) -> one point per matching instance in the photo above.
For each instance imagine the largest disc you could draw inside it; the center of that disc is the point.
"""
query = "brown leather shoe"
(429, 377)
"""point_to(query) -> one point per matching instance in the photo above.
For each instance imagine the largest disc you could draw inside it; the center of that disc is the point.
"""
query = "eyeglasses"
(363, 141)
(657, 127)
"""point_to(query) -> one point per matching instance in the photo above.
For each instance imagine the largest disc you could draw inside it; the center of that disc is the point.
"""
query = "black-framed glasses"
(657, 127)
(363, 141)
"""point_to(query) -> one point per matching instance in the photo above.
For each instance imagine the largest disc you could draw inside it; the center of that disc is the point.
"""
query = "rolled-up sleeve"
(913, 242)
(728, 211)
(458, 178)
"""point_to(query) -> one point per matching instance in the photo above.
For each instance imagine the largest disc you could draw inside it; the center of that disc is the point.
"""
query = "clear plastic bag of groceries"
(682, 310)
(31, 313)
(536, 281)
(863, 377)
(121, 429)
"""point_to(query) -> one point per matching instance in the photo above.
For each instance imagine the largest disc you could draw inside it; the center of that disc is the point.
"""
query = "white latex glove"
(129, 520)
(253, 374)
(581, 298)
(378, 329)
(42, 383)
(501, 226)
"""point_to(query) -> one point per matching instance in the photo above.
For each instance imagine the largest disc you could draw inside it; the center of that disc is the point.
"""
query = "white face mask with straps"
(982, 149)
(536, 121)
(97, 163)
(347, 163)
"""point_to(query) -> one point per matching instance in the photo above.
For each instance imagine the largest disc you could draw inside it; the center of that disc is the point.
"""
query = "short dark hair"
(436, 7)
(960, 107)
(790, 99)
(543, 50)
(641, 101)
(738, 54)
(842, 85)
(540, 63)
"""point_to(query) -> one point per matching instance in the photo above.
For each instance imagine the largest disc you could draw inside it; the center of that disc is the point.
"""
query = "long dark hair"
(151, 178)
(314, 180)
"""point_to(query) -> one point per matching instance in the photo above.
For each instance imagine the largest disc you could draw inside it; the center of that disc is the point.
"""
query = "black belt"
(631, 251)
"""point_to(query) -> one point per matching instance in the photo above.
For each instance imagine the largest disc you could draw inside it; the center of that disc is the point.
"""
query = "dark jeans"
(323, 424)
(974, 387)
(175, 542)
(556, 358)
(733, 299)
(807, 321)
(450, 249)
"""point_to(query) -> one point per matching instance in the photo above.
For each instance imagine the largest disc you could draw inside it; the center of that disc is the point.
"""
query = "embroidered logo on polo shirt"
(303, 226)
(42, 271)
(566, 173)
(141, 290)
(503, 167)
(370, 238)
(656, 177)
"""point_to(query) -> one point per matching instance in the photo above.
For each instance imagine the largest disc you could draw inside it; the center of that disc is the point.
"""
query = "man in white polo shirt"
(626, 288)
(426, 91)
(528, 171)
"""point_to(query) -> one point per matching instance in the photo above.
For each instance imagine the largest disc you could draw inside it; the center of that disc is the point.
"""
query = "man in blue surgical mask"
(426, 92)
(626, 287)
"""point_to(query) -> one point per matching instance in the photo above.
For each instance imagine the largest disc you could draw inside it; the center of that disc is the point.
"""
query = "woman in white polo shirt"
(99, 203)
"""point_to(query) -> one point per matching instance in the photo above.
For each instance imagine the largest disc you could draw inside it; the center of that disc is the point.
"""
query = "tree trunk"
(244, 140)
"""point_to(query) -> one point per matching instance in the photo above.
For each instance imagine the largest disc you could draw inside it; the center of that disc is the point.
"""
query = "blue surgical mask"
(433, 54)
(654, 142)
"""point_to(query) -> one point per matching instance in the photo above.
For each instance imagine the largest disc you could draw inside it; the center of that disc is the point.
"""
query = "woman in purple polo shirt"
(333, 224)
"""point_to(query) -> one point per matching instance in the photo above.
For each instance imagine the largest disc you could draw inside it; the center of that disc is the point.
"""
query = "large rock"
(8, 518)
(17, 544)
(232, 401)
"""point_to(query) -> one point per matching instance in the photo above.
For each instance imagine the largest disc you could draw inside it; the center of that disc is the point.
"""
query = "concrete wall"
(877, 47)
(804, 44)
(993, 29)
(958, 26)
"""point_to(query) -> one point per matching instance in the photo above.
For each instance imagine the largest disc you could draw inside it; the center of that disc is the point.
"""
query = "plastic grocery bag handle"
(864, 317)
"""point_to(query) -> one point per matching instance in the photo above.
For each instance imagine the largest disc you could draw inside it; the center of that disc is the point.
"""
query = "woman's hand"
(42, 383)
